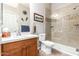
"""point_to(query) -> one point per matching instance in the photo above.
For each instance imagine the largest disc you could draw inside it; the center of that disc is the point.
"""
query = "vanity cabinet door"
(32, 50)
(15, 52)
(30, 47)
(11, 46)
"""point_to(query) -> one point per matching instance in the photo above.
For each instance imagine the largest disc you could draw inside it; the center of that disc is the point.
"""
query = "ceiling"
(63, 9)
(58, 5)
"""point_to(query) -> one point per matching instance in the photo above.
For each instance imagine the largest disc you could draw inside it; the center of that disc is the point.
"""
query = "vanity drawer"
(11, 46)
(30, 41)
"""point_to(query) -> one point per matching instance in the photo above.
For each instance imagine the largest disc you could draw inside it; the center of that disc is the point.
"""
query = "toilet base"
(46, 49)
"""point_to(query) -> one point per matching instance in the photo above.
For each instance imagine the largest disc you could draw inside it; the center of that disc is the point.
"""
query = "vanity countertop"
(17, 38)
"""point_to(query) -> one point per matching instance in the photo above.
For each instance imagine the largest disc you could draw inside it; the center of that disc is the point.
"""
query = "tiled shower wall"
(48, 23)
(66, 26)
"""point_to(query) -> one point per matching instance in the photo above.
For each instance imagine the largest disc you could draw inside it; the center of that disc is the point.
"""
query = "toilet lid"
(48, 43)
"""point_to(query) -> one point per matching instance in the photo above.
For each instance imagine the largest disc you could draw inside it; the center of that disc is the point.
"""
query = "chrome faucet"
(18, 33)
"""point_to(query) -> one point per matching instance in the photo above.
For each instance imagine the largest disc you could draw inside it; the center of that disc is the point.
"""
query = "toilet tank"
(42, 37)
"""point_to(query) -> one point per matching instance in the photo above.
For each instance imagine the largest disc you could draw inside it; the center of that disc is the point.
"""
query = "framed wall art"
(38, 17)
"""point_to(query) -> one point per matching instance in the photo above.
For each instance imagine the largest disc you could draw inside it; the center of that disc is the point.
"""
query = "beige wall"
(48, 22)
(64, 31)
(38, 8)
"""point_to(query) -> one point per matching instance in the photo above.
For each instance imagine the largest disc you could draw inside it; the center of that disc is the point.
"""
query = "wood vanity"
(27, 47)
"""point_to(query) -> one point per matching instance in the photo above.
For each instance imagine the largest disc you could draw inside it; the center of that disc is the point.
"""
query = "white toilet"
(46, 45)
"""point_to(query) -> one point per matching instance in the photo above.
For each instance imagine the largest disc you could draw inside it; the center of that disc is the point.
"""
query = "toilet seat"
(45, 45)
(48, 43)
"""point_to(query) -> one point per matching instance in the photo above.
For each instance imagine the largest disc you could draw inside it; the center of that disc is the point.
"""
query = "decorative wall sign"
(38, 17)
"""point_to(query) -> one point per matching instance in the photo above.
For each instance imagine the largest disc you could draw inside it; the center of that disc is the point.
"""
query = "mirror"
(0, 15)
(10, 17)
(1, 18)
(15, 15)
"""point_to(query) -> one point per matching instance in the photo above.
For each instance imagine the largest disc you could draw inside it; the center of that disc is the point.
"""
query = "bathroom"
(55, 24)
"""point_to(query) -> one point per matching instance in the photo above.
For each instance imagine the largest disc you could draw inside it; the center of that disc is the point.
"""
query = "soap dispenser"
(34, 28)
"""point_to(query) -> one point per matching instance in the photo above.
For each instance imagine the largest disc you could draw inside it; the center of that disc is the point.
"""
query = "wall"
(40, 9)
(48, 21)
(23, 7)
(64, 20)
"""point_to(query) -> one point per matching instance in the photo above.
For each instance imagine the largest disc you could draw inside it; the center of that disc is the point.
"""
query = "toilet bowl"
(46, 45)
